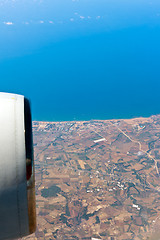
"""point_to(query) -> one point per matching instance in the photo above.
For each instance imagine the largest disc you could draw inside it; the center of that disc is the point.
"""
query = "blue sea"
(82, 60)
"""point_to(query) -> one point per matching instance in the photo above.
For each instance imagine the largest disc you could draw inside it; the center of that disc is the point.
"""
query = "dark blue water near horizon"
(112, 74)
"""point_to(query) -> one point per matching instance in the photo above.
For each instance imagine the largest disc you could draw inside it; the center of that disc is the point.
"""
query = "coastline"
(98, 120)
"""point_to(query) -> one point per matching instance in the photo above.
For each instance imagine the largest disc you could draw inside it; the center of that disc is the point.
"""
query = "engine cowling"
(17, 177)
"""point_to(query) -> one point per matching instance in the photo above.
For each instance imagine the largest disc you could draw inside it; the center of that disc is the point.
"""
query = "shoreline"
(107, 120)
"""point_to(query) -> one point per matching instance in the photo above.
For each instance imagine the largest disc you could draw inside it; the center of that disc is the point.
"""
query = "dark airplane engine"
(17, 183)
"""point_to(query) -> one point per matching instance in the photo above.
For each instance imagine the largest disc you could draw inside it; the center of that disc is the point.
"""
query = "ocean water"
(82, 73)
